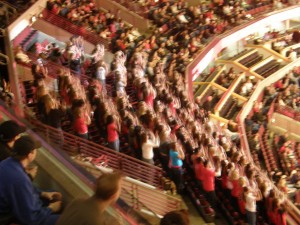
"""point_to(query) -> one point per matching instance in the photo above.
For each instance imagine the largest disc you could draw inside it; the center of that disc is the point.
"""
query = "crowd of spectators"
(104, 23)
(283, 93)
(162, 126)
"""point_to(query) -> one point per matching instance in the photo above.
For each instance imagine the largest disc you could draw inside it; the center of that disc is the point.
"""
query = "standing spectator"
(81, 122)
(209, 183)
(112, 133)
(199, 170)
(39, 73)
(148, 143)
(101, 72)
(176, 157)
(90, 211)
(19, 200)
(250, 199)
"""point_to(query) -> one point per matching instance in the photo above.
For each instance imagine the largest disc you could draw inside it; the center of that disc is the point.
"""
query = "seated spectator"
(19, 200)
(293, 55)
(90, 211)
(9, 132)
(21, 56)
(179, 217)
(182, 18)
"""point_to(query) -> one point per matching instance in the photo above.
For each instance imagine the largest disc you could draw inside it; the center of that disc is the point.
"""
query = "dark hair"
(107, 185)
(109, 119)
(172, 145)
(178, 217)
(205, 163)
(199, 160)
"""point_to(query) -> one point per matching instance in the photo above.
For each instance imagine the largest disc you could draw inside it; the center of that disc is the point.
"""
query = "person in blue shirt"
(19, 201)
(176, 156)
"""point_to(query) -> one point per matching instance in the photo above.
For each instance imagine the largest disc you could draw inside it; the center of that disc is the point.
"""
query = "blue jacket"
(175, 161)
(19, 197)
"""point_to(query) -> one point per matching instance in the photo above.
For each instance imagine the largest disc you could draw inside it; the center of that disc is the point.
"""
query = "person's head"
(178, 217)
(206, 163)
(50, 103)
(108, 187)
(173, 146)
(110, 119)
(10, 131)
(25, 149)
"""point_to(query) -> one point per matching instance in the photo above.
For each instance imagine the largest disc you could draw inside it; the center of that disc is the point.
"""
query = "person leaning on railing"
(90, 211)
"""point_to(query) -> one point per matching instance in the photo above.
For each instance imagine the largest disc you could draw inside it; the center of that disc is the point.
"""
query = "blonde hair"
(50, 103)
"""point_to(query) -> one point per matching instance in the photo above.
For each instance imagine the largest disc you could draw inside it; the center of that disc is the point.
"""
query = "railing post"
(135, 196)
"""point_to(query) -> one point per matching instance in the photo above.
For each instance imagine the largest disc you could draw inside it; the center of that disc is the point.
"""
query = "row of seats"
(240, 54)
(251, 59)
(199, 200)
(268, 154)
(229, 109)
(269, 68)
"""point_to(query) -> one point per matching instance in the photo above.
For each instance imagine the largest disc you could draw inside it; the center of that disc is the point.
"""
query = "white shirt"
(101, 73)
(182, 18)
(293, 55)
(250, 202)
(147, 148)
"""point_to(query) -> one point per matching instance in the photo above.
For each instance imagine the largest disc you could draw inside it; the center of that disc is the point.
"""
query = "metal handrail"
(287, 111)
(139, 196)
(116, 210)
(72, 144)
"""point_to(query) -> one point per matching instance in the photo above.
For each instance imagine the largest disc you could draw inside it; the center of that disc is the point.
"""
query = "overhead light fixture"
(33, 19)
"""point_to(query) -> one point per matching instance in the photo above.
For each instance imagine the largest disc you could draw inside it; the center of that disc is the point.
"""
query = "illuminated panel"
(203, 63)
(18, 28)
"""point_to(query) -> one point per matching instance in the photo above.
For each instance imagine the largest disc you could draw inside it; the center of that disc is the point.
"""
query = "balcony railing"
(74, 145)
(288, 111)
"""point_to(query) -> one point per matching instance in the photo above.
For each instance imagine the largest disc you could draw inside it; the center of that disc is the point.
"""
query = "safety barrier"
(140, 196)
(287, 111)
(74, 145)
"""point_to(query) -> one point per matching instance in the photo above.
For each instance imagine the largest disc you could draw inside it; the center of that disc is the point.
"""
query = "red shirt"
(149, 100)
(208, 179)
(80, 126)
(280, 219)
(242, 204)
(236, 190)
(224, 180)
(199, 171)
(172, 108)
(112, 133)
